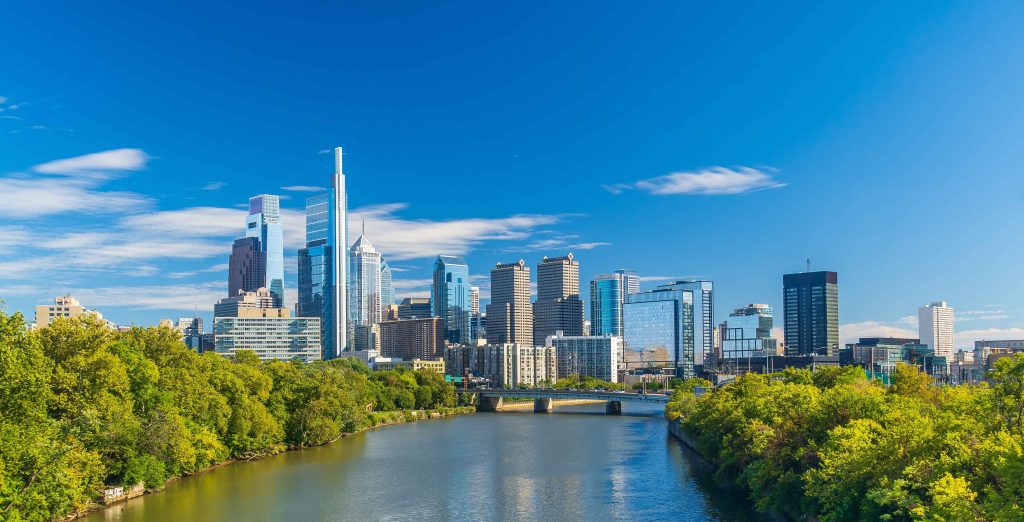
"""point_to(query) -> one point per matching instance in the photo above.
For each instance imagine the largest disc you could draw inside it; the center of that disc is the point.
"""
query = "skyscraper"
(935, 327)
(510, 315)
(811, 301)
(658, 330)
(607, 295)
(450, 297)
(264, 223)
(474, 313)
(245, 266)
(630, 280)
(387, 292)
(703, 317)
(323, 264)
(558, 307)
(364, 297)
(748, 332)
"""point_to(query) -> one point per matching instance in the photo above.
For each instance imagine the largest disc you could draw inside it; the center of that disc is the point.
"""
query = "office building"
(670, 325)
(389, 313)
(273, 336)
(558, 306)
(412, 338)
(587, 356)
(414, 308)
(510, 314)
(63, 307)
(748, 333)
(264, 224)
(261, 299)
(190, 329)
(364, 289)
(366, 337)
(246, 271)
(323, 264)
(811, 309)
(630, 280)
(387, 291)
(935, 326)
(607, 296)
(451, 297)
(504, 365)
(474, 313)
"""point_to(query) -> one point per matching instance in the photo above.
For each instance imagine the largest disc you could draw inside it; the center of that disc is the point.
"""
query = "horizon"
(677, 141)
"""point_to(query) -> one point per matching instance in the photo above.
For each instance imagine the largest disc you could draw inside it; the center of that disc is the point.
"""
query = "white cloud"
(13, 238)
(710, 181)
(17, 291)
(190, 222)
(851, 332)
(966, 338)
(117, 159)
(324, 151)
(161, 297)
(656, 278)
(303, 188)
(30, 198)
(406, 284)
(214, 185)
(219, 267)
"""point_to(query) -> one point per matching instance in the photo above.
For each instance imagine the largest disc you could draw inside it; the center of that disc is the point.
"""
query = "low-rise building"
(64, 307)
(587, 356)
(383, 363)
(504, 365)
(249, 321)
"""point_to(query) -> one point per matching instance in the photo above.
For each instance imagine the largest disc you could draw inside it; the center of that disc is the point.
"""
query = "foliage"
(833, 446)
(83, 407)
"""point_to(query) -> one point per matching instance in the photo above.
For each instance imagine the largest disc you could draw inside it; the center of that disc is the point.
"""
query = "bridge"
(543, 400)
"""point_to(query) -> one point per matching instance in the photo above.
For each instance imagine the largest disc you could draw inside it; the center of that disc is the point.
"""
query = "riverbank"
(377, 419)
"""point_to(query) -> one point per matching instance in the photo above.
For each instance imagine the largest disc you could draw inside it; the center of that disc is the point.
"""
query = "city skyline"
(116, 212)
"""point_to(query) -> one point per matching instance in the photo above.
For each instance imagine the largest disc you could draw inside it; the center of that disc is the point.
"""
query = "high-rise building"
(246, 270)
(630, 280)
(364, 289)
(558, 306)
(414, 308)
(510, 314)
(504, 365)
(412, 338)
(935, 326)
(748, 333)
(248, 304)
(387, 291)
(811, 308)
(62, 307)
(450, 297)
(264, 224)
(670, 325)
(587, 356)
(607, 295)
(323, 264)
(474, 313)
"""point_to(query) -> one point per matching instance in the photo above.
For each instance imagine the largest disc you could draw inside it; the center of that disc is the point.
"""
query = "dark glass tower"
(245, 266)
(811, 301)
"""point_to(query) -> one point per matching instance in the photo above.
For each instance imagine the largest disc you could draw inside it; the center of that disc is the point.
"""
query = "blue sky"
(726, 141)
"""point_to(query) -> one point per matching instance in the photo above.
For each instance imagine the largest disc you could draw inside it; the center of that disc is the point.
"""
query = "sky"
(723, 141)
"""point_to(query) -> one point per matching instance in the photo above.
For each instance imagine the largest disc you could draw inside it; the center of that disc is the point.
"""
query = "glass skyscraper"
(323, 266)
(245, 266)
(748, 333)
(703, 317)
(658, 329)
(450, 297)
(364, 300)
(811, 301)
(387, 292)
(607, 295)
(264, 223)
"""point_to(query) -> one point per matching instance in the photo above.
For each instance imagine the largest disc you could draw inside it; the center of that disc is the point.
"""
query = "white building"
(272, 337)
(935, 328)
(65, 307)
(587, 356)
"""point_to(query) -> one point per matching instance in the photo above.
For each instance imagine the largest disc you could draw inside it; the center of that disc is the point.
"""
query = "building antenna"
(808, 264)
(364, 227)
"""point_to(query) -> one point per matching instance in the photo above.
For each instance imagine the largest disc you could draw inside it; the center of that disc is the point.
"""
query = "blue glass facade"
(661, 321)
(387, 292)
(316, 281)
(450, 297)
(607, 294)
(264, 223)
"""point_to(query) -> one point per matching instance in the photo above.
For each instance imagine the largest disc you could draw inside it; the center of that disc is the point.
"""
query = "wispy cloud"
(566, 242)
(220, 267)
(710, 181)
(324, 151)
(31, 198)
(988, 314)
(110, 160)
(160, 297)
(214, 185)
(851, 332)
(303, 188)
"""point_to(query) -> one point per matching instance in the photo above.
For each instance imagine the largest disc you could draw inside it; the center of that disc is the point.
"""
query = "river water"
(574, 464)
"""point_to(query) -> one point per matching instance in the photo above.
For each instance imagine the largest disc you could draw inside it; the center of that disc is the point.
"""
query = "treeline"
(833, 446)
(83, 408)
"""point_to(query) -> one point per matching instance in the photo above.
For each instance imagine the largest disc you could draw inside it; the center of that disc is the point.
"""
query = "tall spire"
(363, 233)
(337, 160)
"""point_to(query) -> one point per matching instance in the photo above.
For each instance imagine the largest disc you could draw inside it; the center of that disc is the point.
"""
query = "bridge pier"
(613, 408)
(489, 403)
(543, 405)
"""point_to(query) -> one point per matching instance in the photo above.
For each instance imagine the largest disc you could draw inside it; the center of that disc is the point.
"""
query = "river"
(574, 464)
